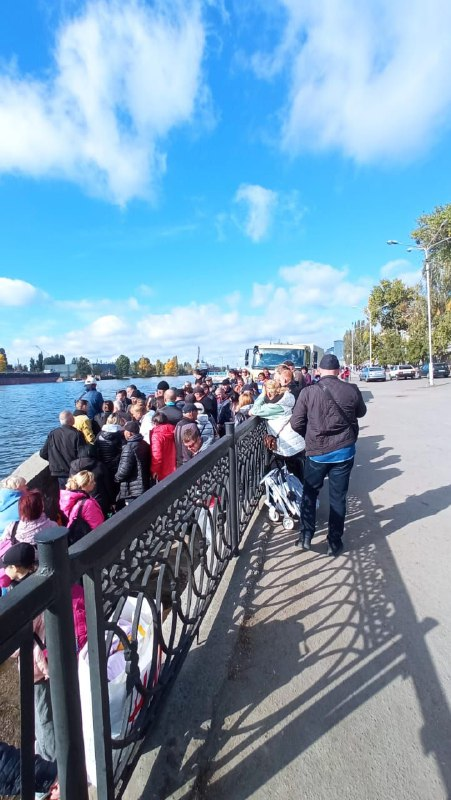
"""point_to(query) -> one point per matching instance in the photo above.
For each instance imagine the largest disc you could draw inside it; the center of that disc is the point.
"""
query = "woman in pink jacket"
(162, 446)
(32, 519)
(76, 502)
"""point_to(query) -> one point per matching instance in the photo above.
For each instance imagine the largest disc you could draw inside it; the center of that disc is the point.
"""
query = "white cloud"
(307, 301)
(401, 268)
(259, 206)
(319, 285)
(371, 80)
(116, 91)
(15, 292)
(261, 294)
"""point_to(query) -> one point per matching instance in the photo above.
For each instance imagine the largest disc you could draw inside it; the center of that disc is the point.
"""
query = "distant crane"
(41, 350)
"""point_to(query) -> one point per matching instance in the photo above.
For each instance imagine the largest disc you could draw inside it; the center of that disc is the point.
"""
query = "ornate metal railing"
(149, 574)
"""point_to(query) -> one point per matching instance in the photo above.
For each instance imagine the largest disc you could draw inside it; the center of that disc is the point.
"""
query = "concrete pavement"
(330, 678)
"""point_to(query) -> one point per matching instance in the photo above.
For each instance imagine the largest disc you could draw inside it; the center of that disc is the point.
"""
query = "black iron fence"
(149, 574)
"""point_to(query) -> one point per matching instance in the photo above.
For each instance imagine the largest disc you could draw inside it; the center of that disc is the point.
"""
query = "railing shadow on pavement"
(348, 626)
(149, 574)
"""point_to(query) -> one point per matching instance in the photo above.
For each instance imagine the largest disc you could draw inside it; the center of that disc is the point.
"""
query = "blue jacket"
(9, 507)
(95, 402)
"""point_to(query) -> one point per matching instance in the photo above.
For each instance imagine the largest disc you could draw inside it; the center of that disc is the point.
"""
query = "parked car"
(372, 374)
(439, 370)
(402, 372)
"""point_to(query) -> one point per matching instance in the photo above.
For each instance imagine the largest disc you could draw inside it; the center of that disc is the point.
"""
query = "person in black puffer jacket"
(133, 472)
(105, 489)
(109, 443)
(45, 772)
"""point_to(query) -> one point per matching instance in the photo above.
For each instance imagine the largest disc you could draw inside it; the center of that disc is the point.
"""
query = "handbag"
(271, 442)
(353, 425)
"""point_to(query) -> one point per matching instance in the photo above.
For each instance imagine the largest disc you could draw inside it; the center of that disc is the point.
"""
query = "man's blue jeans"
(314, 475)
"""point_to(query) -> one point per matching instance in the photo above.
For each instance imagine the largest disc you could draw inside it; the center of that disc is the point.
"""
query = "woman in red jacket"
(162, 446)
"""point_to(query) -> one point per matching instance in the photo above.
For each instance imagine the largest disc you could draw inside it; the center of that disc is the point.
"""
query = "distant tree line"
(141, 368)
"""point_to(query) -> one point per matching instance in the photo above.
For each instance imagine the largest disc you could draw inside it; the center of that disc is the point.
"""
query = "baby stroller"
(283, 496)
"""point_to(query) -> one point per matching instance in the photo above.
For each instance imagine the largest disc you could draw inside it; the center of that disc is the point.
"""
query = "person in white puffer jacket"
(275, 405)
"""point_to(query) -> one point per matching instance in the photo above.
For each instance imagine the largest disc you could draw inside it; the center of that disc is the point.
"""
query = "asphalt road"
(331, 678)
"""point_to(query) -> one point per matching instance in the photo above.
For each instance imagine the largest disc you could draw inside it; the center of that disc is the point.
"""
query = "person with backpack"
(32, 519)
(82, 513)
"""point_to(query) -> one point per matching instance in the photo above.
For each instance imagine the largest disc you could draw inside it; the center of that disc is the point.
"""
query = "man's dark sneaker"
(304, 542)
(334, 550)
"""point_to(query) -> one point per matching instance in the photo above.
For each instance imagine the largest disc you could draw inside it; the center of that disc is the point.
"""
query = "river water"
(28, 412)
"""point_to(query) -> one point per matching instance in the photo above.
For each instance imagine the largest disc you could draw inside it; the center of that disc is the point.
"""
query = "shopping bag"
(125, 698)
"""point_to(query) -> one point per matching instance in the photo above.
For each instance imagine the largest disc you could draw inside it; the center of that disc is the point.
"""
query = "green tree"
(56, 359)
(32, 364)
(84, 367)
(40, 362)
(133, 368)
(361, 337)
(122, 364)
(186, 368)
(434, 232)
(432, 229)
(3, 362)
(390, 304)
(390, 347)
(159, 367)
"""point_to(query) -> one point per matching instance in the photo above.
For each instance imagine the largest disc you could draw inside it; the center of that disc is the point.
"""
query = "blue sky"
(212, 174)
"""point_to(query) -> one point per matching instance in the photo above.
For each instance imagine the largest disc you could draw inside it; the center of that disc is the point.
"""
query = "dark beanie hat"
(132, 427)
(22, 554)
(164, 385)
(329, 361)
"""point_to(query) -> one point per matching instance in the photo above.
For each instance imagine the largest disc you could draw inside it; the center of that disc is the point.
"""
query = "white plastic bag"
(117, 689)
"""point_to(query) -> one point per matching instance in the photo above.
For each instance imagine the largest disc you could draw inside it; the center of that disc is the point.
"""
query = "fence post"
(63, 668)
(99, 685)
(233, 486)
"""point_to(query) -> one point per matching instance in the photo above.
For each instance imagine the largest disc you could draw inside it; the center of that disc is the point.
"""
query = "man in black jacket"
(326, 415)
(172, 412)
(133, 472)
(63, 445)
(208, 401)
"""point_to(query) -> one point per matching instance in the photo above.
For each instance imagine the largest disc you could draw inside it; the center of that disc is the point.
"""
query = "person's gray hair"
(66, 418)
(14, 482)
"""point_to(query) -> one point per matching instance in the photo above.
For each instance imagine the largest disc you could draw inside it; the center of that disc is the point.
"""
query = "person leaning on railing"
(275, 405)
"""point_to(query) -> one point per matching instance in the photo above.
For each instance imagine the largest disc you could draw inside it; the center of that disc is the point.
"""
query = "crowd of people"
(106, 453)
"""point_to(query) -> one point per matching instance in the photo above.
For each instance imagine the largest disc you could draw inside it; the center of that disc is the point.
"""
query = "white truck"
(269, 356)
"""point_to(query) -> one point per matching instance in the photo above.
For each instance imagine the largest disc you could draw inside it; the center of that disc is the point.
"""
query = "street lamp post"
(426, 249)
(352, 348)
(371, 336)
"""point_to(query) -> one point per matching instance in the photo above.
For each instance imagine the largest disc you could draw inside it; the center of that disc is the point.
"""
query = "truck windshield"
(273, 357)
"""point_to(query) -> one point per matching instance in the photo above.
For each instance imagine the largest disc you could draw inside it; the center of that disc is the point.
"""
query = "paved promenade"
(330, 678)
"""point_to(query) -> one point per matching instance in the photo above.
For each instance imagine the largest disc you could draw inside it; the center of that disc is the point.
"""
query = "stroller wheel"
(288, 523)
(273, 514)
